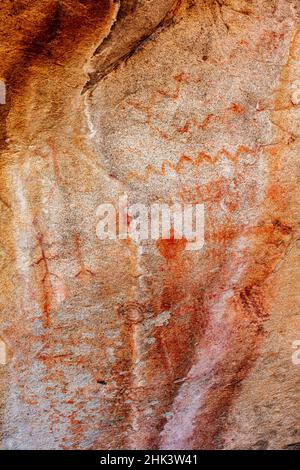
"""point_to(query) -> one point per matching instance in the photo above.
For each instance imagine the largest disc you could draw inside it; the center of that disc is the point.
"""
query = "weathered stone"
(121, 344)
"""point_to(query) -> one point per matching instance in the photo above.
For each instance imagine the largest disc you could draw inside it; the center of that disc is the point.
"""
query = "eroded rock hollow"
(123, 343)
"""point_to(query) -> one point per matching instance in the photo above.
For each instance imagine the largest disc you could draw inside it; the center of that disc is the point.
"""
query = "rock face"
(114, 344)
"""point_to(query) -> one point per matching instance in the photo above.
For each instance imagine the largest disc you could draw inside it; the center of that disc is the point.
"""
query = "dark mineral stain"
(294, 446)
(101, 382)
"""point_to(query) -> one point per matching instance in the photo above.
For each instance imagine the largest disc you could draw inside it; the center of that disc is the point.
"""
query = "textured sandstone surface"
(117, 344)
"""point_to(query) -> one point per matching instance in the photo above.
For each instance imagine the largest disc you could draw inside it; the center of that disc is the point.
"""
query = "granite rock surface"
(130, 344)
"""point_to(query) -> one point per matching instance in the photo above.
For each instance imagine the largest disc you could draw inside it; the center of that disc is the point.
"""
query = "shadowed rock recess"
(117, 344)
